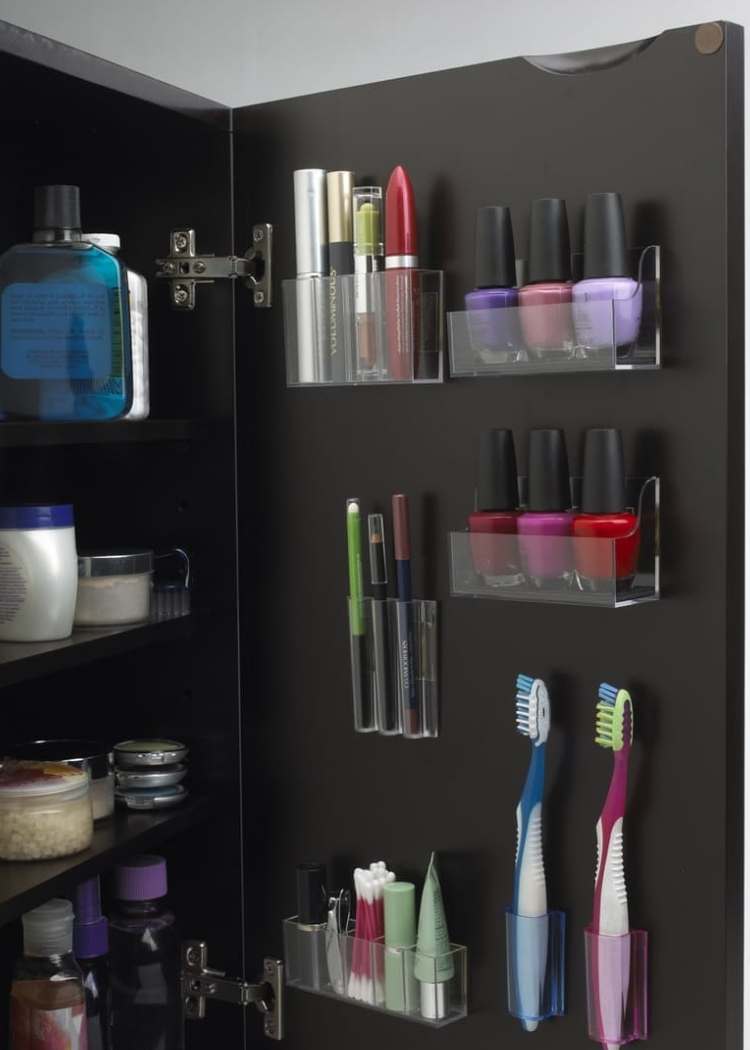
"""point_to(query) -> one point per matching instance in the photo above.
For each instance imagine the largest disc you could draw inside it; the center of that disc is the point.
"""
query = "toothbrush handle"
(610, 893)
(530, 896)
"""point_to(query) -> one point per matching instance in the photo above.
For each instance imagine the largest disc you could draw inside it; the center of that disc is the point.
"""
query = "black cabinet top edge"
(33, 47)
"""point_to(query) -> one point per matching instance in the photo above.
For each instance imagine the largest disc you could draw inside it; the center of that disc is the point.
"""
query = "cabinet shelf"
(22, 661)
(41, 435)
(26, 884)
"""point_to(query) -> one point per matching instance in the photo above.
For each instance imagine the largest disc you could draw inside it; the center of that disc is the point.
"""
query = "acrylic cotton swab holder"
(617, 987)
(606, 335)
(394, 663)
(367, 973)
(535, 966)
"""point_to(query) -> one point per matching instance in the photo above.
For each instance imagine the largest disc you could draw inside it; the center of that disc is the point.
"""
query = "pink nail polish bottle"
(545, 301)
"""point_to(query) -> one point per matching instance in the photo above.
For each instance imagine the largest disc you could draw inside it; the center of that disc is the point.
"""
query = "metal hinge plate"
(184, 268)
(200, 983)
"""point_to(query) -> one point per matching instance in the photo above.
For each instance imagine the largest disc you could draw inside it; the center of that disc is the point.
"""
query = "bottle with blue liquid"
(65, 351)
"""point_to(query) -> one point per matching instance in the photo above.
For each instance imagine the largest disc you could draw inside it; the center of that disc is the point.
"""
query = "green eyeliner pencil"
(364, 709)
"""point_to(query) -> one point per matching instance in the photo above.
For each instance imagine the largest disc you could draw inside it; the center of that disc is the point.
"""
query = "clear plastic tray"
(536, 966)
(595, 336)
(399, 981)
(357, 329)
(573, 570)
(617, 987)
(394, 662)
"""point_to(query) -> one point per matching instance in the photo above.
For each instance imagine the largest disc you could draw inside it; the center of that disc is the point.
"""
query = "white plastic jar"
(45, 810)
(38, 573)
(114, 589)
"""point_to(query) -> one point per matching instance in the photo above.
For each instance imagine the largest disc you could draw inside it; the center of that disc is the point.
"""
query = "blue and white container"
(38, 573)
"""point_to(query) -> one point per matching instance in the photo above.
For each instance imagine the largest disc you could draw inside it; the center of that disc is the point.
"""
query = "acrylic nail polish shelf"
(592, 336)
(367, 973)
(364, 329)
(568, 570)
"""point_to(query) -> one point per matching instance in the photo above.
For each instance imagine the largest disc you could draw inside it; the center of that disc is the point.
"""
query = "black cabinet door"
(661, 123)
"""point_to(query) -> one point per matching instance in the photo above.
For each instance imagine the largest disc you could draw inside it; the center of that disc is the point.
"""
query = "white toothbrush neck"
(532, 886)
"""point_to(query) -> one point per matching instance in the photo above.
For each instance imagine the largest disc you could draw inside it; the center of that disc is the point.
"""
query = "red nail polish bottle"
(493, 526)
(604, 516)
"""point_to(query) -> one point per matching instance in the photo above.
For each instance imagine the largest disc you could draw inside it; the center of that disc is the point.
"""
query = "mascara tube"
(383, 631)
(341, 261)
(311, 238)
(368, 292)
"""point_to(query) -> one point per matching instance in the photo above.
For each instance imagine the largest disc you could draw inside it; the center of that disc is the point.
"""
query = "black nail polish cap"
(549, 478)
(311, 894)
(495, 250)
(603, 473)
(57, 208)
(605, 253)
(549, 241)
(497, 484)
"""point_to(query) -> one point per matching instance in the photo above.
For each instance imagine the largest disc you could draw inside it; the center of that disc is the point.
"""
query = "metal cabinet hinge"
(184, 268)
(200, 983)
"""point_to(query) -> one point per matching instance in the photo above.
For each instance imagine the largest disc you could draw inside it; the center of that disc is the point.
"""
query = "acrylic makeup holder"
(363, 329)
(367, 973)
(535, 966)
(383, 666)
(607, 335)
(617, 986)
(570, 570)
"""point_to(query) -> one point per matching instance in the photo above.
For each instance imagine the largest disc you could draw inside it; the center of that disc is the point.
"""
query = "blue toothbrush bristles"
(608, 693)
(524, 715)
(524, 683)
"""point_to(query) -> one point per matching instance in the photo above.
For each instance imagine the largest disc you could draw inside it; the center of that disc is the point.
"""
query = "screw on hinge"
(181, 294)
(259, 298)
(258, 234)
(181, 242)
(193, 957)
(199, 267)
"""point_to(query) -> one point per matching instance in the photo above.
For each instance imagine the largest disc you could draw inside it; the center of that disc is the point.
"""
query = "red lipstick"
(402, 298)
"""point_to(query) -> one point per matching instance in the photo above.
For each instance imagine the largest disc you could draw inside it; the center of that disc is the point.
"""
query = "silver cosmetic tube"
(311, 238)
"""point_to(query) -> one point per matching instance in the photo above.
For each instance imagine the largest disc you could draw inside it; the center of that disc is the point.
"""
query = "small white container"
(38, 573)
(114, 589)
(45, 810)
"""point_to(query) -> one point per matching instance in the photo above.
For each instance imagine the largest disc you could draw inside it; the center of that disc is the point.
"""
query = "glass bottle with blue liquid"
(65, 350)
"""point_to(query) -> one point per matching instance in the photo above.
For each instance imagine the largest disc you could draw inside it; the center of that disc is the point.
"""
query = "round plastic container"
(83, 754)
(135, 754)
(38, 576)
(45, 810)
(114, 589)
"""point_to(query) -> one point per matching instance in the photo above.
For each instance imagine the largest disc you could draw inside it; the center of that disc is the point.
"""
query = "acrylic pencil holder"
(361, 329)
(431, 990)
(530, 565)
(394, 664)
(535, 966)
(617, 986)
(591, 335)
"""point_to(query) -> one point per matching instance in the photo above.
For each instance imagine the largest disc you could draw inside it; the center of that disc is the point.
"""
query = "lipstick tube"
(401, 283)
(368, 260)
(311, 238)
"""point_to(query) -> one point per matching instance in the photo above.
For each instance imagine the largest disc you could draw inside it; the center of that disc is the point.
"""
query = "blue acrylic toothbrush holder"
(535, 966)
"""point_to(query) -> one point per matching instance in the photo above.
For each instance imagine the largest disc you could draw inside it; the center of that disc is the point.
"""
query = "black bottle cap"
(549, 241)
(603, 473)
(312, 905)
(495, 250)
(57, 208)
(549, 479)
(497, 487)
(605, 253)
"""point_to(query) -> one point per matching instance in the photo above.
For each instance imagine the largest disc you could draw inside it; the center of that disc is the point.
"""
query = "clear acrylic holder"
(367, 973)
(535, 966)
(617, 987)
(595, 336)
(360, 329)
(382, 637)
(571, 570)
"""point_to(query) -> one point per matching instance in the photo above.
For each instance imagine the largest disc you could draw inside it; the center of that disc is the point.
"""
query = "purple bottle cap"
(143, 878)
(90, 929)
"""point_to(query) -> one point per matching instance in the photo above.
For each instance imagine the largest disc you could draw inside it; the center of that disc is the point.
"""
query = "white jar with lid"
(38, 573)
(45, 810)
(114, 588)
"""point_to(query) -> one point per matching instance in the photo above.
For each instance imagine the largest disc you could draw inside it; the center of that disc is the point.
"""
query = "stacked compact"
(150, 773)
(361, 310)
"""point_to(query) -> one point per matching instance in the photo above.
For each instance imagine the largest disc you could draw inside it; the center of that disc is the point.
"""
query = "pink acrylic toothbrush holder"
(617, 986)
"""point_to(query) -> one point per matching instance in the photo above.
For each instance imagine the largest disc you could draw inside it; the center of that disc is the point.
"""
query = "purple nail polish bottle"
(545, 526)
(493, 329)
(607, 303)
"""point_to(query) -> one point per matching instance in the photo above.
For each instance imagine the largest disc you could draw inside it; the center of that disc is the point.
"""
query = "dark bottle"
(64, 320)
(91, 949)
(145, 960)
